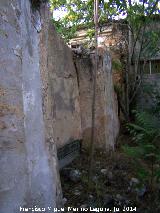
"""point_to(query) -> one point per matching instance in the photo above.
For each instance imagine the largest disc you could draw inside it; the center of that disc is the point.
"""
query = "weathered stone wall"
(113, 36)
(146, 96)
(64, 94)
(29, 174)
(106, 116)
(45, 102)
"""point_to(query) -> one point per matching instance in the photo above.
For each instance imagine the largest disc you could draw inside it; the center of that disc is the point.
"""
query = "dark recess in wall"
(36, 3)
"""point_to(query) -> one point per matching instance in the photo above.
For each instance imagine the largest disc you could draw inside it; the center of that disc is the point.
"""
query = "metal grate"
(68, 153)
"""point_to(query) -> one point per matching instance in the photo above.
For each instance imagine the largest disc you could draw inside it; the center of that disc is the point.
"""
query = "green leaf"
(143, 174)
(135, 152)
(157, 174)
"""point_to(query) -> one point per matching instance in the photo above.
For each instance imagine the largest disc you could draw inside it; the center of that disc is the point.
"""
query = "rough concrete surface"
(45, 103)
(64, 93)
(106, 116)
(28, 171)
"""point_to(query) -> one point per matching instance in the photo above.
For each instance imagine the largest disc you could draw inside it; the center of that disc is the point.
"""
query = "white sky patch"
(59, 13)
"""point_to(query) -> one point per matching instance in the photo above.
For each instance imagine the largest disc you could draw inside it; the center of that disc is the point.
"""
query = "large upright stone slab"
(60, 95)
(29, 174)
(106, 115)
(63, 91)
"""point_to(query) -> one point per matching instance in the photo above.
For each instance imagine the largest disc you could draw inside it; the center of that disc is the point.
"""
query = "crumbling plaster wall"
(106, 115)
(64, 94)
(29, 173)
(45, 103)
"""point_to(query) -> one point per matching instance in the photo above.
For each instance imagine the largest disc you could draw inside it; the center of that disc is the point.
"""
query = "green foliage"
(151, 40)
(66, 33)
(142, 173)
(134, 152)
(145, 132)
(153, 94)
(145, 128)
(116, 65)
(139, 19)
(90, 33)
(77, 12)
(80, 13)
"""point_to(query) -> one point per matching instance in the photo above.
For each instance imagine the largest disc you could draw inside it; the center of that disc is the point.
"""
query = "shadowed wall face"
(148, 96)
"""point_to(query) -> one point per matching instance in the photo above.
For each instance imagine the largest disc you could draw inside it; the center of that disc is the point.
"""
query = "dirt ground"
(114, 186)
